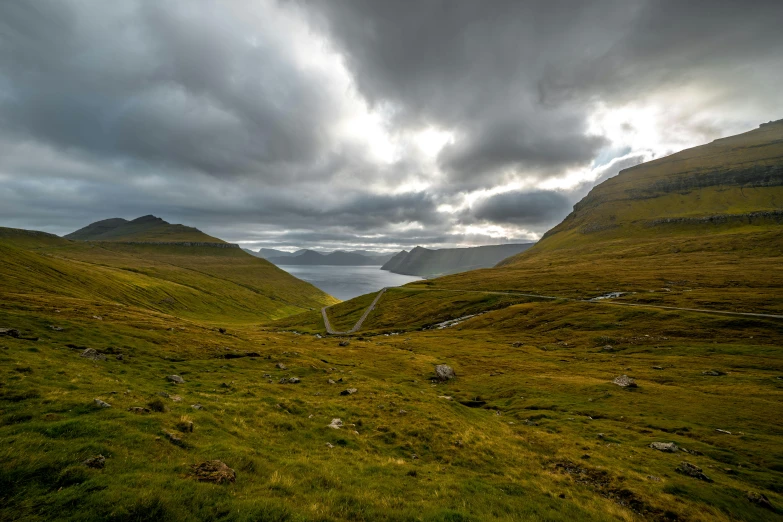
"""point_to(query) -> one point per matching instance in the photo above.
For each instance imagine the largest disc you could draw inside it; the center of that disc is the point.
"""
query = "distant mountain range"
(424, 262)
(146, 229)
(311, 257)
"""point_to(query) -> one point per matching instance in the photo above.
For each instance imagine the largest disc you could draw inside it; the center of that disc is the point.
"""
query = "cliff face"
(427, 263)
(732, 181)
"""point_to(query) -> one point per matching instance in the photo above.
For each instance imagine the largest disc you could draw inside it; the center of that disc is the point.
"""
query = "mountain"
(336, 258)
(147, 229)
(266, 253)
(204, 280)
(428, 263)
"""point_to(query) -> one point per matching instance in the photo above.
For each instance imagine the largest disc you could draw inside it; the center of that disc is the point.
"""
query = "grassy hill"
(143, 229)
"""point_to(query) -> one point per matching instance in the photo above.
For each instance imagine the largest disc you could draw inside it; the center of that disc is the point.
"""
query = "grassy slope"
(208, 284)
(145, 228)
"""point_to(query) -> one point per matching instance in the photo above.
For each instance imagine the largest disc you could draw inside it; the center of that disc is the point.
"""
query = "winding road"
(370, 308)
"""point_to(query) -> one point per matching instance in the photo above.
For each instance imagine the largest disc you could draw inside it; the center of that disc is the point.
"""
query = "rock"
(174, 439)
(120, 357)
(214, 471)
(97, 462)
(657, 367)
(690, 470)
(329, 445)
(344, 343)
(93, 355)
(713, 373)
(528, 422)
(101, 404)
(294, 380)
(760, 500)
(624, 382)
(667, 447)
(336, 424)
(444, 372)
(330, 381)
(176, 379)
(349, 391)
(164, 395)
(98, 317)
(185, 426)
(176, 398)
(138, 410)
(11, 332)
(281, 366)
(446, 397)
(197, 406)
(222, 330)
(517, 344)
(723, 431)
(56, 328)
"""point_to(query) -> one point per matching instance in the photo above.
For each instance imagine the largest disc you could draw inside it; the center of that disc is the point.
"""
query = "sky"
(362, 124)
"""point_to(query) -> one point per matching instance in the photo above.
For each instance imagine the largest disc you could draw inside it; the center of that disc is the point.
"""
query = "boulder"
(97, 462)
(174, 438)
(624, 382)
(214, 471)
(10, 332)
(760, 500)
(281, 366)
(344, 343)
(690, 470)
(101, 404)
(336, 424)
(667, 447)
(93, 355)
(349, 391)
(713, 373)
(444, 372)
(330, 381)
(176, 379)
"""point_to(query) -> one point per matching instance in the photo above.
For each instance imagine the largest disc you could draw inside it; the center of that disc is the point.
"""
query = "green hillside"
(144, 229)
(197, 282)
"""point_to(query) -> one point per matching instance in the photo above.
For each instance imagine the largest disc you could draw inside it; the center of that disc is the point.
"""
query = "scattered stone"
(101, 404)
(96, 462)
(344, 343)
(267, 376)
(447, 397)
(139, 410)
(760, 500)
(723, 431)
(517, 344)
(414, 456)
(176, 398)
(281, 366)
(98, 317)
(667, 447)
(336, 424)
(444, 372)
(528, 422)
(653, 478)
(197, 406)
(176, 379)
(657, 367)
(349, 391)
(330, 381)
(174, 439)
(93, 355)
(601, 435)
(164, 395)
(624, 381)
(713, 373)
(294, 380)
(690, 470)
(56, 328)
(214, 471)
(585, 456)
(11, 332)
(222, 330)
(608, 348)
(120, 357)
(329, 445)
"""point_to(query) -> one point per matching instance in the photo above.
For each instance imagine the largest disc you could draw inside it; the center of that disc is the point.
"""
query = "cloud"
(308, 123)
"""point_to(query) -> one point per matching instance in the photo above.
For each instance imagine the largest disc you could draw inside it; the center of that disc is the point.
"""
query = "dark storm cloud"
(523, 208)
(230, 116)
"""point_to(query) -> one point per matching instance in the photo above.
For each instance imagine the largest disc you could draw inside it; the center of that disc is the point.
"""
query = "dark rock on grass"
(185, 426)
(174, 439)
(657, 367)
(214, 471)
(10, 332)
(101, 404)
(624, 382)
(667, 447)
(690, 470)
(120, 357)
(760, 500)
(222, 330)
(176, 379)
(344, 343)
(138, 410)
(349, 391)
(713, 373)
(290, 380)
(444, 372)
(97, 462)
(517, 344)
(93, 355)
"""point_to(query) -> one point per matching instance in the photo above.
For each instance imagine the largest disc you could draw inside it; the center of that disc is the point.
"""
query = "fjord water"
(347, 282)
